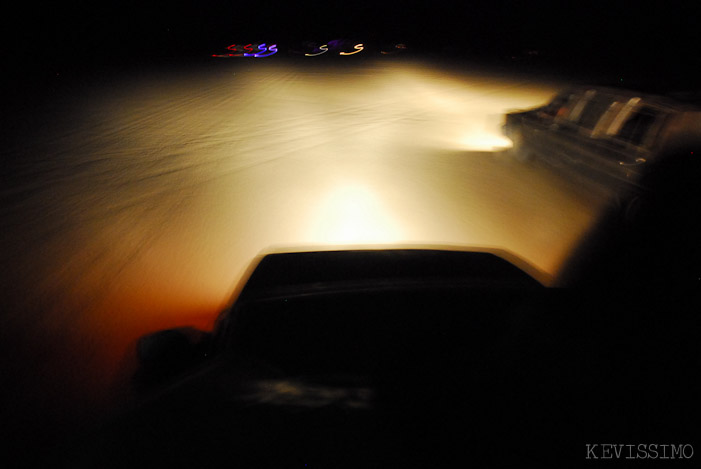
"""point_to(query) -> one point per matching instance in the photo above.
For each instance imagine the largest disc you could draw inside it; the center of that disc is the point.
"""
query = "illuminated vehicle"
(605, 134)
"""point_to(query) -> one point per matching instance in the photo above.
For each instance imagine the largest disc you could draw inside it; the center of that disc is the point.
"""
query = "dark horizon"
(603, 35)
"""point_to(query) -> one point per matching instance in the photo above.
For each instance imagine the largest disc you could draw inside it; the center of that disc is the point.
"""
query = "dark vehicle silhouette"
(420, 358)
(605, 134)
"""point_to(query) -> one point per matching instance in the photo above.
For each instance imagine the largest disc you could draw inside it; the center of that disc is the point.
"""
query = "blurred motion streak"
(248, 51)
(395, 50)
(358, 47)
(323, 49)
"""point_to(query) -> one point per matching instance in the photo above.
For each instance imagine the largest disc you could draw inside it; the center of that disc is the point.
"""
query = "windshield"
(151, 154)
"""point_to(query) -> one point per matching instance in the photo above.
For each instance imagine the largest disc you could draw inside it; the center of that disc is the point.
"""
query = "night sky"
(49, 46)
(93, 32)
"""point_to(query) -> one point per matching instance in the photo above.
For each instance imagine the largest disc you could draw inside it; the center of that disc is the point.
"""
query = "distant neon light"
(401, 47)
(249, 50)
(324, 49)
(234, 47)
(354, 47)
(272, 50)
(263, 50)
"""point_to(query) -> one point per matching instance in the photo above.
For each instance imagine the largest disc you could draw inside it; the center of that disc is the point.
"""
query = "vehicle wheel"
(519, 151)
(628, 207)
(632, 208)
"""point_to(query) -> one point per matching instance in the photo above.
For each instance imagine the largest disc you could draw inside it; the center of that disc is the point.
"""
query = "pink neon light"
(234, 47)
(249, 50)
